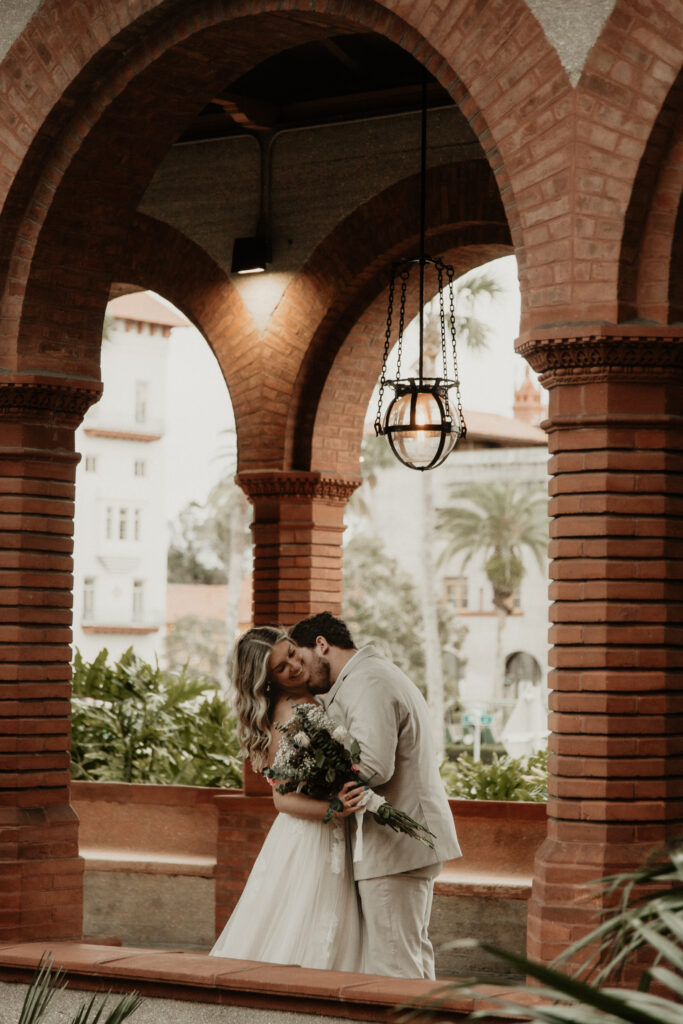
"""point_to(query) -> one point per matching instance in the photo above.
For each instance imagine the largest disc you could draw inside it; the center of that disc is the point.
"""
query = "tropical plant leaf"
(42, 989)
(47, 982)
(639, 919)
(134, 722)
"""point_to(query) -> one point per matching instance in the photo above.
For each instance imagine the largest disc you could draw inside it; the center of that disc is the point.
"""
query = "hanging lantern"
(423, 422)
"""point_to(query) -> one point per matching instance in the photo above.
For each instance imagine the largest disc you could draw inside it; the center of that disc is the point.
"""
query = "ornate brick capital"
(43, 397)
(297, 484)
(604, 352)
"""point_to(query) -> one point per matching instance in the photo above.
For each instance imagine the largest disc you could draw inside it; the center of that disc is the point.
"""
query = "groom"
(381, 708)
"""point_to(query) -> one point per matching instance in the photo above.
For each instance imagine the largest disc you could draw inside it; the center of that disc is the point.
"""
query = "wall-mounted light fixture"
(250, 255)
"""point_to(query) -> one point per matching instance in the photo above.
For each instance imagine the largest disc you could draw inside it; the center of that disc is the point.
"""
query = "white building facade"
(120, 541)
(503, 450)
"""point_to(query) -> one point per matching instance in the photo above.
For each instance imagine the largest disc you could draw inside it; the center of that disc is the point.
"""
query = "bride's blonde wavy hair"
(254, 698)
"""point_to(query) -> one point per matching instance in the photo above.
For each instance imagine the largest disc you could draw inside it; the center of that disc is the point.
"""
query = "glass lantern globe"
(421, 424)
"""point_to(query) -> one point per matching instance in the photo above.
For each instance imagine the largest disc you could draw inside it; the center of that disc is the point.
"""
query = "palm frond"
(640, 919)
(47, 982)
(44, 986)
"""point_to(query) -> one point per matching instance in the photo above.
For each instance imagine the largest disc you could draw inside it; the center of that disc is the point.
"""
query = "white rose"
(340, 733)
(301, 739)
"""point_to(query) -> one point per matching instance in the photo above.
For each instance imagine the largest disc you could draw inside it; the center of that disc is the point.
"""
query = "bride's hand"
(352, 796)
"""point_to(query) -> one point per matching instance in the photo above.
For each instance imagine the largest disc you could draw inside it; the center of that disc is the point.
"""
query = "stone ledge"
(204, 979)
(151, 863)
(484, 886)
(449, 883)
(147, 793)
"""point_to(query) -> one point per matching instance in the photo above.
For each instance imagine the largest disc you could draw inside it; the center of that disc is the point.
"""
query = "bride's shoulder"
(283, 711)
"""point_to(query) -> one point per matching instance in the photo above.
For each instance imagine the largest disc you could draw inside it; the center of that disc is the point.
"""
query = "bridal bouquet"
(312, 759)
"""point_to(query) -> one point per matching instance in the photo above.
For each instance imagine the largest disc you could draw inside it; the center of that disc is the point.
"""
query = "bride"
(299, 905)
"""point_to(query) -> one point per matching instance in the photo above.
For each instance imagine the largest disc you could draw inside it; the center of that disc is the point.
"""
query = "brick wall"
(584, 183)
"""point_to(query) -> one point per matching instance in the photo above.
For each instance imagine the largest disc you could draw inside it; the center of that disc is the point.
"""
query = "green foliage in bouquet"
(313, 759)
(505, 778)
(644, 924)
(133, 722)
(45, 985)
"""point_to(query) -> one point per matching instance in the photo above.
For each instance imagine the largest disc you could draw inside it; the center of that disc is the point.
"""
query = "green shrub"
(505, 778)
(487, 753)
(134, 722)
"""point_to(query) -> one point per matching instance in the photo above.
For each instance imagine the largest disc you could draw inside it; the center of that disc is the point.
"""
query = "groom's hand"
(349, 799)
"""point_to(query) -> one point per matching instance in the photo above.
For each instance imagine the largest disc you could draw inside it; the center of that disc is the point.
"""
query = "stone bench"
(150, 862)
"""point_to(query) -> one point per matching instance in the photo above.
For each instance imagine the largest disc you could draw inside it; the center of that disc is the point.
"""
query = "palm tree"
(228, 534)
(474, 333)
(499, 522)
(469, 295)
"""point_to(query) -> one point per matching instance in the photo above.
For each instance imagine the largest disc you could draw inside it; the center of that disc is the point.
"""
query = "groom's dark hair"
(323, 624)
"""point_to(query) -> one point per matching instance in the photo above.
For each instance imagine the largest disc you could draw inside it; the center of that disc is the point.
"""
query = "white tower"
(120, 542)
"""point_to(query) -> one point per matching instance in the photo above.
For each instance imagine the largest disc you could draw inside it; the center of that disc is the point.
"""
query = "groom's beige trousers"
(396, 911)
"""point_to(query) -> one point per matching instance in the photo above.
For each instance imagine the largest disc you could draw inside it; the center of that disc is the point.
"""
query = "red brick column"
(297, 529)
(616, 459)
(41, 883)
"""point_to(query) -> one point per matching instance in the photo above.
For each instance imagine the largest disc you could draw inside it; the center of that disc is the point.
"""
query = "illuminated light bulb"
(422, 426)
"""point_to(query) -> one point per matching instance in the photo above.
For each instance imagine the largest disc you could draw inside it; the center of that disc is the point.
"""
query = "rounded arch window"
(521, 667)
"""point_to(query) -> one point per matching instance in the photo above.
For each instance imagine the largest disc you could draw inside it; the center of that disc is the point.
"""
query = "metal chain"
(387, 342)
(440, 266)
(451, 297)
(404, 275)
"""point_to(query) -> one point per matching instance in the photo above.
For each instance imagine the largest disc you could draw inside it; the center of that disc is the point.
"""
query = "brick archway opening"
(342, 407)
(67, 228)
(649, 270)
(466, 222)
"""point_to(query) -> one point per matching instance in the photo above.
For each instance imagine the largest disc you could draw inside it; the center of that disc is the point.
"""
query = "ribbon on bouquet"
(372, 803)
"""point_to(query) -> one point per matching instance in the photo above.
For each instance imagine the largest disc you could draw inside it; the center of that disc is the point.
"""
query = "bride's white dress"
(299, 905)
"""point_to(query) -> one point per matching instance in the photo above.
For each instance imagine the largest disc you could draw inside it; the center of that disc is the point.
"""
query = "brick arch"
(164, 260)
(347, 271)
(140, 62)
(624, 105)
(79, 214)
(337, 431)
(676, 281)
(648, 271)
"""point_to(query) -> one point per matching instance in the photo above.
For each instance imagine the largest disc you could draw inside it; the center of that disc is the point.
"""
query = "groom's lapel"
(329, 697)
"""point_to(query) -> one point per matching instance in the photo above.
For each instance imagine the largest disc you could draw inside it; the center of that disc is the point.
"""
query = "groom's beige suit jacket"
(387, 714)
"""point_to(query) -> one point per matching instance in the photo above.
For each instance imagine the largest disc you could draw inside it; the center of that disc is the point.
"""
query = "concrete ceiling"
(345, 77)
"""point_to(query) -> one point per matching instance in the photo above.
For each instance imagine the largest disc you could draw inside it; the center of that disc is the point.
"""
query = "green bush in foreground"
(134, 722)
(505, 778)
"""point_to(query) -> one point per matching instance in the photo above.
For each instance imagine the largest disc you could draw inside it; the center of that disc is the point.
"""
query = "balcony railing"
(122, 620)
